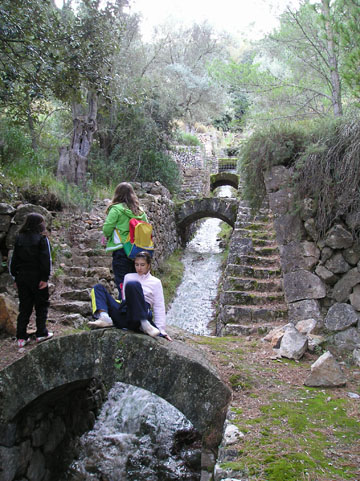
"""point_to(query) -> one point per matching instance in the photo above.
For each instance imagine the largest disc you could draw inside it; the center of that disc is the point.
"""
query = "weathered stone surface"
(353, 220)
(355, 297)
(340, 316)
(342, 289)
(288, 227)
(298, 255)
(347, 340)
(325, 372)
(310, 227)
(352, 254)
(356, 357)
(307, 208)
(6, 209)
(175, 371)
(8, 314)
(293, 344)
(280, 202)
(306, 309)
(339, 238)
(5, 221)
(301, 285)
(36, 470)
(326, 253)
(307, 326)
(277, 177)
(325, 275)
(275, 335)
(9, 461)
(337, 264)
(315, 341)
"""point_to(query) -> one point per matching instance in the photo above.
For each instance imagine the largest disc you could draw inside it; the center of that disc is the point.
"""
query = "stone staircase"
(83, 263)
(252, 298)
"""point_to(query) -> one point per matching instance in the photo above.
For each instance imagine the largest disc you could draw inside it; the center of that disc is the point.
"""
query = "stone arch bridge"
(174, 371)
(194, 209)
(224, 178)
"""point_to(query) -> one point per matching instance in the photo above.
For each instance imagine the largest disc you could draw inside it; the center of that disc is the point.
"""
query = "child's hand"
(42, 284)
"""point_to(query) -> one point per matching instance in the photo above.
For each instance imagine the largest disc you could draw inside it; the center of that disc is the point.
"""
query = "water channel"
(139, 436)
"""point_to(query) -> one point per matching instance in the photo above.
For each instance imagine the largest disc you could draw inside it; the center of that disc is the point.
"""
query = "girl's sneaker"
(45, 338)
(23, 342)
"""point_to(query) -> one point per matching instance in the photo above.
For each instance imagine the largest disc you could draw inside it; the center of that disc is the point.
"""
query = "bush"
(279, 144)
(184, 138)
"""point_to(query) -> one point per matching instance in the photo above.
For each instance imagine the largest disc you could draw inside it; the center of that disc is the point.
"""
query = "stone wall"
(41, 441)
(321, 275)
(154, 198)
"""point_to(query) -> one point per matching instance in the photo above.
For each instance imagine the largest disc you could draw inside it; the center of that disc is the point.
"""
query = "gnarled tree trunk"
(73, 159)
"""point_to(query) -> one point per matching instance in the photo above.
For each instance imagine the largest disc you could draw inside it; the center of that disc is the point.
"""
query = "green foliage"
(185, 138)
(171, 273)
(279, 144)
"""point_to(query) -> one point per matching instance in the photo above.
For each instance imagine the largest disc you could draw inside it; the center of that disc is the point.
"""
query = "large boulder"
(338, 237)
(342, 289)
(305, 309)
(8, 314)
(293, 344)
(301, 284)
(325, 372)
(341, 316)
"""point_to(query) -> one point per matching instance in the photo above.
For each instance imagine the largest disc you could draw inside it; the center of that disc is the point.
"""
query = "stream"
(139, 436)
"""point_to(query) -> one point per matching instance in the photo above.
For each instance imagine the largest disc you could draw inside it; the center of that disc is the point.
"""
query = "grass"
(171, 274)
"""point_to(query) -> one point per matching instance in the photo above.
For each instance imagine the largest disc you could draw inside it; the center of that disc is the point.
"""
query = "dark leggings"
(31, 296)
(121, 265)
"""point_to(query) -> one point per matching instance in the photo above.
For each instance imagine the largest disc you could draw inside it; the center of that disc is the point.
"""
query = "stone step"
(249, 284)
(83, 308)
(252, 271)
(266, 251)
(261, 235)
(248, 329)
(77, 295)
(251, 260)
(80, 282)
(253, 298)
(99, 272)
(253, 314)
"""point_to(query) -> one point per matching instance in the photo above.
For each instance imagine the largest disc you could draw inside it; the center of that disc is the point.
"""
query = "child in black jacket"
(30, 266)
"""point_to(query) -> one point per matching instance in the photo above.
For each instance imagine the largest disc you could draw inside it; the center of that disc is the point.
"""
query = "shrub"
(184, 138)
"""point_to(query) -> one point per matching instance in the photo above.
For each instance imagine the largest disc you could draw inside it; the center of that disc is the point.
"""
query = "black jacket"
(31, 255)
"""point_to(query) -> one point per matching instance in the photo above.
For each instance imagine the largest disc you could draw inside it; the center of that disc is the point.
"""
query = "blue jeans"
(126, 314)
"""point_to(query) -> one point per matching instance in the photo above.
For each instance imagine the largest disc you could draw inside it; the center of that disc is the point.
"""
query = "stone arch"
(174, 371)
(224, 178)
(195, 209)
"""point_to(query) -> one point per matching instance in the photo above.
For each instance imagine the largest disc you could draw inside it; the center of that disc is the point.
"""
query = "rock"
(352, 254)
(307, 326)
(315, 341)
(8, 314)
(307, 208)
(342, 289)
(311, 229)
(36, 470)
(338, 237)
(5, 221)
(326, 253)
(280, 202)
(277, 177)
(232, 435)
(325, 275)
(340, 316)
(6, 209)
(355, 297)
(275, 335)
(298, 255)
(306, 309)
(9, 461)
(347, 340)
(337, 264)
(293, 344)
(356, 357)
(301, 285)
(288, 228)
(21, 212)
(325, 372)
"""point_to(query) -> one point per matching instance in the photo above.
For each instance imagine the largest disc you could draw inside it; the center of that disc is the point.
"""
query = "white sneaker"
(149, 329)
(104, 316)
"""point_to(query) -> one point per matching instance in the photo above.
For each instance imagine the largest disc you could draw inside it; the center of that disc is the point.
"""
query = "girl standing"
(124, 206)
(30, 266)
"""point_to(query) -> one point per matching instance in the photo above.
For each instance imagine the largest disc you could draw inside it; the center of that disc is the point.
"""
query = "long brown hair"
(124, 193)
(33, 224)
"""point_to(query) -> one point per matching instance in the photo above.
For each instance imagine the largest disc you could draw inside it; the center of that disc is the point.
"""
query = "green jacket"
(116, 226)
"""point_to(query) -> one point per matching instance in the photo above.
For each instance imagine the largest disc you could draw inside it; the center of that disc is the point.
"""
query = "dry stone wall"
(321, 275)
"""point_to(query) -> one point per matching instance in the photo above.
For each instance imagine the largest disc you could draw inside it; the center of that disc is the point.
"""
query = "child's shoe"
(104, 316)
(23, 342)
(44, 338)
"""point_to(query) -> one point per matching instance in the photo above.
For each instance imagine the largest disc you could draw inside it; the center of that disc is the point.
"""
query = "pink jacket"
(153, 293)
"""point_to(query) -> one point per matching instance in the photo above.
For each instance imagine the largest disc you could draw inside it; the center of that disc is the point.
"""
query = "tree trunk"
(332, 57)
(73, 159)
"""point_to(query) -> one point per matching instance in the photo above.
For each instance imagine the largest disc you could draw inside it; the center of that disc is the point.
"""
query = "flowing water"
(139, 436)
